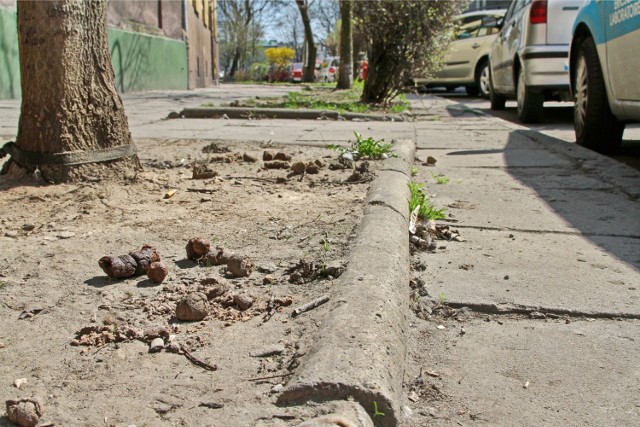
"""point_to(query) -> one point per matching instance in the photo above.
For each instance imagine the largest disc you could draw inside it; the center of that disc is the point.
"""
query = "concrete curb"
(281, 113)
(360, 351)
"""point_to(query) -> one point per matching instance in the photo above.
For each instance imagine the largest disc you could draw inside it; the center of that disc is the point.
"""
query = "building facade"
(155, 45)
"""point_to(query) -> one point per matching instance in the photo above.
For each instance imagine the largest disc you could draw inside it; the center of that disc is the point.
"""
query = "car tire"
(472, 90)
(497, 101)
(483, 79)
(530, 104)
(595, 125)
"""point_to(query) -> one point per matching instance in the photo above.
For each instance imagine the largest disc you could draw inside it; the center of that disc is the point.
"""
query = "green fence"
(9, 64)
(141, 62)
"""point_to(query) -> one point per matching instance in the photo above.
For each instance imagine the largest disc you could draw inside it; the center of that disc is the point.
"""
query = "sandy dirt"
(79, 341)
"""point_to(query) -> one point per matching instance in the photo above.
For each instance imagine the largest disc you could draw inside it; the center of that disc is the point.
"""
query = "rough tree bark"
(72, 123)
(310, 66)
(345, 72)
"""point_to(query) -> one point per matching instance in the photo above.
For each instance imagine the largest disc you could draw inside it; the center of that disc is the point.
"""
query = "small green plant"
(365, 147)
(419, 198)
(326, 246)
(442, 299)
(2, 284)
(414, 171)
(376, 413)
(440, 179)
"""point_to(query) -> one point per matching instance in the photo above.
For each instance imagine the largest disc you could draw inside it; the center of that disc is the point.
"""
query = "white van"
(529, 58)
(605, 72)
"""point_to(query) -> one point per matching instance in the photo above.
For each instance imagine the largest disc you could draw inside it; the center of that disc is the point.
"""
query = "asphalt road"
(558, 123)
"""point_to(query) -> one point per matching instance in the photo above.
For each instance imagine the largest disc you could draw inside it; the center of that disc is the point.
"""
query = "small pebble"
(156, 345)
(277, 388)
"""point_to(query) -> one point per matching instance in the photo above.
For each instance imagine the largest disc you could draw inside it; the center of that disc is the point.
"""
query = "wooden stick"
(271, 377)
(193, 359)
(310, 305)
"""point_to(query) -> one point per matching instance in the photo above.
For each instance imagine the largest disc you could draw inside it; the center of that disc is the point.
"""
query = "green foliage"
(365, 147)
(414, 171)
(442, 299)
(258, 71)
(427, 209)
(440, 179)
(376, 413)
(407, 38)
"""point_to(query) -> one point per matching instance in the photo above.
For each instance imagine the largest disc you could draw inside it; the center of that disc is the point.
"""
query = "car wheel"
(595, 125)
(497, 101)
(530, 104)
(482, 80)
(472, 90)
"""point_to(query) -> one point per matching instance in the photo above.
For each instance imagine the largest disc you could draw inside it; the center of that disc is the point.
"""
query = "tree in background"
(240, 29)
(72, 121)
(406, 38)
(345, 72)
(310, 45)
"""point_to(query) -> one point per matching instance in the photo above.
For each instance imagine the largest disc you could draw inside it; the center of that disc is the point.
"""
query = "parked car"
(605, 72)
(529, 58)
(466, 62)
(329, 69)
(296, 72)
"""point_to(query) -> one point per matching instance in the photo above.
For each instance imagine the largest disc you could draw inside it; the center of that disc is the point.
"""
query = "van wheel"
(497, 101)
(529, 103)
(595, 125)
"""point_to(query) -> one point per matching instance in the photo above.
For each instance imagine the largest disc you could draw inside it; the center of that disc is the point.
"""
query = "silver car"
(466, 61)
(529, 58)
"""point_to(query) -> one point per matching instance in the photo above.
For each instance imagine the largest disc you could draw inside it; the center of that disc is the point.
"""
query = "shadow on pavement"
(594, 194)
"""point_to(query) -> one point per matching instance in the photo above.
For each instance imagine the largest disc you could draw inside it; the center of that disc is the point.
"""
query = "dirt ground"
(79, 341)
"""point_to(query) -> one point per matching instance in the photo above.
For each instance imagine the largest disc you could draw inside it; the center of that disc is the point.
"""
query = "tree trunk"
(310, 67)
(377, 88)
(72, 122)
(345, 72)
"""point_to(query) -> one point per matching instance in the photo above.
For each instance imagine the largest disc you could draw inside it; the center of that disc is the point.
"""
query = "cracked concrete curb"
(282, 113)
(360, 351)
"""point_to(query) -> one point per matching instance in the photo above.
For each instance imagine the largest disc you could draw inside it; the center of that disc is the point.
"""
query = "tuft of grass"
(440, 179)
(414, 171)
(366, 147)
(442, 298)
(427, 209)
(376, 413)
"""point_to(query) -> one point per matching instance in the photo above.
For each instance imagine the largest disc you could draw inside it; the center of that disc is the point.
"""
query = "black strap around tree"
(29, 158)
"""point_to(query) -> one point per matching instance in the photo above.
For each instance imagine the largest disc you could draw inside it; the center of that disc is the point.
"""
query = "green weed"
(414, 171)
(376, 413)
(440, 179)
(442, 298)
(427, 209)
(366, 147)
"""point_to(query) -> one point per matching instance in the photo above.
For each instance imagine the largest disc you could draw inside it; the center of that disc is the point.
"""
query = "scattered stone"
(96, 335)
(276, 164)
(240, 266)
(212, 405)
(441, 327)
(197, 247)
(12, 234)
(193, 307)
(537, 315)
(277, 388)
(506, 277)
(174, 115)
(28, 227)
(312, 169)
(215, 287)
(267, 268)
(268, 351)
(157, 331)
(65, 235)
(298, 168)
(157, 272)
(413, 396)
(215, 256)
(156, 345)
(249, 158)
(267, 156)
(268, 280)
(31, 309)
(319, 163)
(215, 148)
(24, 412)
(243, 301)
(282, 156)
(19, 382)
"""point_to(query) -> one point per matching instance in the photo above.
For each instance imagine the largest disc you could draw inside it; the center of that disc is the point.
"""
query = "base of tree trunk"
(115, 170)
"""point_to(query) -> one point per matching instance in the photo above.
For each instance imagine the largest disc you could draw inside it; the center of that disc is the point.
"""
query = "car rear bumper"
(546, 66)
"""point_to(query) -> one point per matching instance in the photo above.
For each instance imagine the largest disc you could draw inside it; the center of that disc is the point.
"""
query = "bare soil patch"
(95, 350)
